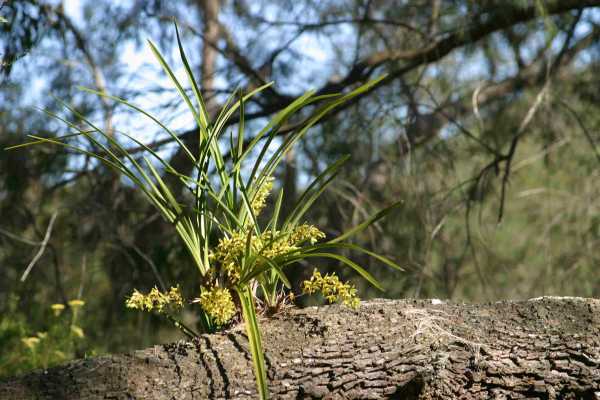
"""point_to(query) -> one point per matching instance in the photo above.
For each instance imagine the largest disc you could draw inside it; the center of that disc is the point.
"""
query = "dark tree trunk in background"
(547, 348)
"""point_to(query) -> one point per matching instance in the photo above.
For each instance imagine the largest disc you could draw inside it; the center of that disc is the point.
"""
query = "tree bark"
(545, 348)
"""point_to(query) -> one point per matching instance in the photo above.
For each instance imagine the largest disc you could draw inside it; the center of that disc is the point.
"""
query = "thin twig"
(585, 131)
(153, 266)
(515, 141)
(18, 238)
(42, 247)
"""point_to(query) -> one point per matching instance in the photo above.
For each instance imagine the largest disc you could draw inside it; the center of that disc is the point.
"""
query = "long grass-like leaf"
(254, 340)
(27, 144)
(227, 111)
(203, 114)
(353, 247)
(175, 81)
(314, 119)
(344, 260)
(365, 224)
(172, 134)
(314, 191)
(247, 210)
(277, 270)
(276, 210)
(272, 128)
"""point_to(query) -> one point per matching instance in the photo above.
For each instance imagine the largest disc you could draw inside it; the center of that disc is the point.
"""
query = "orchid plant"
(247, 262)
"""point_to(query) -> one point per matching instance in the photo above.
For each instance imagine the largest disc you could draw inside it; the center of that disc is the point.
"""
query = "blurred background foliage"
(487, 128)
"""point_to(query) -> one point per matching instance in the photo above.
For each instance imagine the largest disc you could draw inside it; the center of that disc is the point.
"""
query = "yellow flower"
(175, 298)
(260, 198)
(31, 342)
(57, 308)
(218, 304)
(155, 300)
(136, 300)
(332, 289)
(77, 331)
(231, 250)
(306, 232)
(76, 303)
(42, 335)
(60, 354)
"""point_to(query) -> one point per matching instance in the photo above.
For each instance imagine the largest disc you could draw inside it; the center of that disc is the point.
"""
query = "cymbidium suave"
(247, 262)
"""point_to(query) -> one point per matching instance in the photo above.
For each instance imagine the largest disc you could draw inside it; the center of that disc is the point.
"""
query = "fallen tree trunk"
(546, 348)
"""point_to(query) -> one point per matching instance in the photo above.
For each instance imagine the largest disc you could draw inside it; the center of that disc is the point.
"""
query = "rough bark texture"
(546, 348)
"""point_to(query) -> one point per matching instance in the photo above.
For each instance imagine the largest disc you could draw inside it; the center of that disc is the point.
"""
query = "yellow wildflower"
(60, 354)
(77, 331)
(76, 303)
(332, 289)
(175, 297)
(218, 304)
(57, 308)
(31, 342)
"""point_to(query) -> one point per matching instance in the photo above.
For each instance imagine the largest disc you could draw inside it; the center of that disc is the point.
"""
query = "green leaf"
(310, 122)
(254, 340)
(314, 191)
(203, 115)
(172, 134)
(277, 269)
(272, 128)
(227, 111)
(276, 210)
(354, 247)
(175, 81)
(365, 224)
(344, 260)
(27, 144)
(247, 209)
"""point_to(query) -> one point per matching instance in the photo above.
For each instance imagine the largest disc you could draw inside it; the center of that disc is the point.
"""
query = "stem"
(186, 330)
(254, 339)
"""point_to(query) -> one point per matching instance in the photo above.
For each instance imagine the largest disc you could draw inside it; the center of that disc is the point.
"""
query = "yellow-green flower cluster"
(260, 198)
(332, 289)
(155, 300)
(229, 251)
(218, 304)
(270, 244)
(306, 233)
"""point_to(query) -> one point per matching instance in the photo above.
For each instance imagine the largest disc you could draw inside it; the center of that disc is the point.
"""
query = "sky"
(313, 70)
